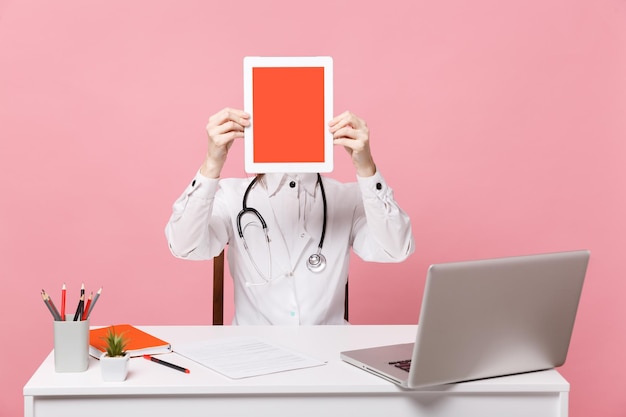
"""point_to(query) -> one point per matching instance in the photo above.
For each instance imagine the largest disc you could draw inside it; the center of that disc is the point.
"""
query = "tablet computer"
(290, 102)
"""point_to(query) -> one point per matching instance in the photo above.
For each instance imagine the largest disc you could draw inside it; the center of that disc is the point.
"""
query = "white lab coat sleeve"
(382, 230)
(196, 230)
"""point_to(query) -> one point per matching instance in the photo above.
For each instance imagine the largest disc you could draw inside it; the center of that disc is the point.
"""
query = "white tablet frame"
(251, 62)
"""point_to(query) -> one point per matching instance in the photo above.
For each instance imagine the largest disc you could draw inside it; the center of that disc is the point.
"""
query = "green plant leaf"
(115, 343)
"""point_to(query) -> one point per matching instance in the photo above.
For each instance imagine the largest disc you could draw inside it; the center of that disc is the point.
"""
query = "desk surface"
(323, 342)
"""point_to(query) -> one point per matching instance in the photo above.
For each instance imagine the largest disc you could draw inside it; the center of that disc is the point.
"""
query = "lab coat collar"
(275, 181)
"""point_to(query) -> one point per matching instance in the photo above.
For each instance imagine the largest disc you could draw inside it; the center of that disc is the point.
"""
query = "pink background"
(500, 124)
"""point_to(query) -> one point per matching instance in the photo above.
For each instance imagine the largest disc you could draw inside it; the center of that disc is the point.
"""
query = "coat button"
(193, 183)
(292, 184)
(379, 186)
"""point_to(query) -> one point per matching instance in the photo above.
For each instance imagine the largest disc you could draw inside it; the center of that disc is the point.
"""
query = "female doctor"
(289, 235)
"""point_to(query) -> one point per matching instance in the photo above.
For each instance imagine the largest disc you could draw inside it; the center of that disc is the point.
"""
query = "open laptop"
(486, 318)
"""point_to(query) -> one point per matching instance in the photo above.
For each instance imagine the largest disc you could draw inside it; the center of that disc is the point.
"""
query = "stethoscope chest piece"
(316, 262)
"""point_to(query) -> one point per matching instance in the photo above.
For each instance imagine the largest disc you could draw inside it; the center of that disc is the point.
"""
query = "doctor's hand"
(352, 133)
(223, 128)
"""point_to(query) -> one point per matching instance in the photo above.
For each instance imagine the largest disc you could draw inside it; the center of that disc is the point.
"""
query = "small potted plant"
(114, 362)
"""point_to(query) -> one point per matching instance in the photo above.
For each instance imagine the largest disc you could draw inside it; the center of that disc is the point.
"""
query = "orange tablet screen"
(288, 114)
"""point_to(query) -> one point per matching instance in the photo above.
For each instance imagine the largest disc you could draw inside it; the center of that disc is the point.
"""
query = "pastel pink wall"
(501, 126)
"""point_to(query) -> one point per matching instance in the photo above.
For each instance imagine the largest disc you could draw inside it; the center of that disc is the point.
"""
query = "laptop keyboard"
(405, 365)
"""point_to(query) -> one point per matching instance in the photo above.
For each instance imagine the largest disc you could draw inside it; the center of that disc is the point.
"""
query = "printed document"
(243, 357)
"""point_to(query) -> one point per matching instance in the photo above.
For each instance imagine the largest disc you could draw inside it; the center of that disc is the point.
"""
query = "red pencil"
(63, 294)
(95, 300)
(86, 310)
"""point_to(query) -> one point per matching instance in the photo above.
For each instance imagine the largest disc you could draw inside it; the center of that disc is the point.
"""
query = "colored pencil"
(79, 308)
(54, 308)
(50, 305)
(63, 298)
(87, 305)
(82, 297)
(93, 303)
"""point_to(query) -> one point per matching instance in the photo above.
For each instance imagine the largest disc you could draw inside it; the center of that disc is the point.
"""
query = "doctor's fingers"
(356, 140)
(228, 116)
(224, 132)
(227, 126)
(224, 137)
(358, 146)
(360, 134)
(346, 118)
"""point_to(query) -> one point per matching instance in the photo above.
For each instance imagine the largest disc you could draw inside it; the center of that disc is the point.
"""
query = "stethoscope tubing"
(316, 262)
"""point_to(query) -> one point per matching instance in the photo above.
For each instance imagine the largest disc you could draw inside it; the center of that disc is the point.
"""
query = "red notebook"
(139, 342)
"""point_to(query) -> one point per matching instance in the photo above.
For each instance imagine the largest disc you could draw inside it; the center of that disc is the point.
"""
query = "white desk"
(335, 389)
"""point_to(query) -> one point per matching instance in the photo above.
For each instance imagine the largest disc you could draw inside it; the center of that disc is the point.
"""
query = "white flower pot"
(114, 369)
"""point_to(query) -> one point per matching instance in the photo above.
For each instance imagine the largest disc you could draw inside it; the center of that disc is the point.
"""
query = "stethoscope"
(316, 262)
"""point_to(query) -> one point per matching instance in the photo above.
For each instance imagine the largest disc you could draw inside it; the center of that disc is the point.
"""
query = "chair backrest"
(218, 291)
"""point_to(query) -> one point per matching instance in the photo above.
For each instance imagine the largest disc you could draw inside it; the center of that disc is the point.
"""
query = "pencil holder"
(71, 345)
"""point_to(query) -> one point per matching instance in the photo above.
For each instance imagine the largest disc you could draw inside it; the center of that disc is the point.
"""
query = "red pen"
(171, 365)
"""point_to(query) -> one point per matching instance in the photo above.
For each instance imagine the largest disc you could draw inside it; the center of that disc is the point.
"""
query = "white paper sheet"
(244, 357)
